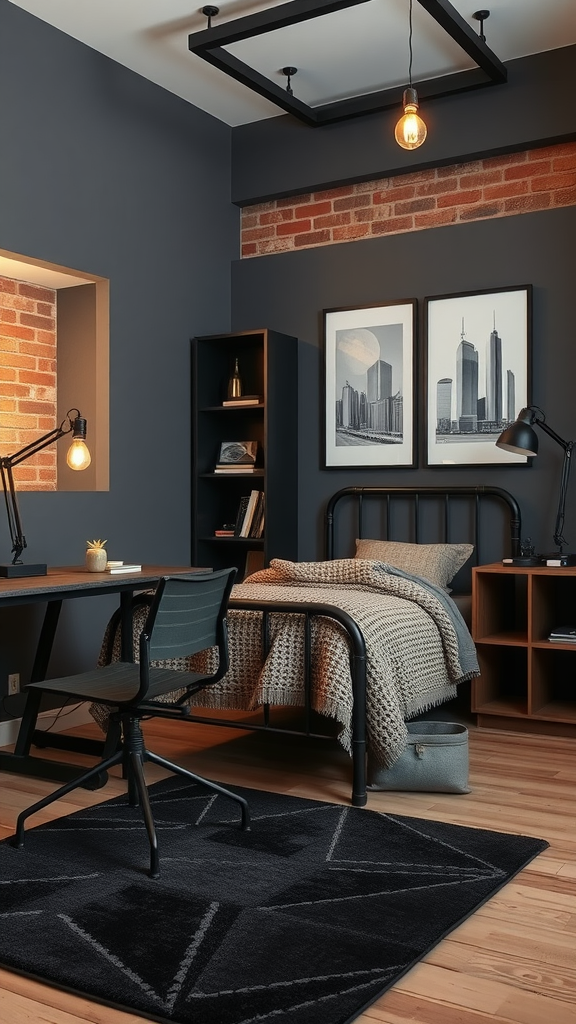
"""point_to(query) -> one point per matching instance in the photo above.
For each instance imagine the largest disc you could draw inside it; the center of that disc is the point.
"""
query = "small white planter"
(96, 559)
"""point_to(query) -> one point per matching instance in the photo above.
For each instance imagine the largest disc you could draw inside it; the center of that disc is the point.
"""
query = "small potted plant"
(96, 556)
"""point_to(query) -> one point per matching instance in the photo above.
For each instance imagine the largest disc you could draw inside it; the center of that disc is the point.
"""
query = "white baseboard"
(68, 720)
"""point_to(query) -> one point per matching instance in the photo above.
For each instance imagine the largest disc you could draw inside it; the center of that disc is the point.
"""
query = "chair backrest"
(187, 615)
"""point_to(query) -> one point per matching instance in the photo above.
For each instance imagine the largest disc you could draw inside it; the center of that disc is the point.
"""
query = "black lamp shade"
(520, 437)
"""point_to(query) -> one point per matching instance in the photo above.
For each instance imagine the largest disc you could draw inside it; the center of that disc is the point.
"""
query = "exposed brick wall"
(28, 378)
(537, 179)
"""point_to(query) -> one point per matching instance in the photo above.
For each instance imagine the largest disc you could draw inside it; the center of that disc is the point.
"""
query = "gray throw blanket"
(466, 648)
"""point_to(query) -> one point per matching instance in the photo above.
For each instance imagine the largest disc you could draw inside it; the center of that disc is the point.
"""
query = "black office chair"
(187, 615)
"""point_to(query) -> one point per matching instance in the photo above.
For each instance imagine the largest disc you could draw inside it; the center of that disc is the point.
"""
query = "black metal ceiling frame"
(209, 44)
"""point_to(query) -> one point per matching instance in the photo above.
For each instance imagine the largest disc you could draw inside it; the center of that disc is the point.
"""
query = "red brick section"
(504, 186)
(28, 378)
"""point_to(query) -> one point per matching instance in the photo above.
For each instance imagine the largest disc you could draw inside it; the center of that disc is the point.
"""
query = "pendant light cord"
(410, 45)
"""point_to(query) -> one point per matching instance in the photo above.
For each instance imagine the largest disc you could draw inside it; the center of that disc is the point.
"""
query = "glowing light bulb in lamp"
(78, 457)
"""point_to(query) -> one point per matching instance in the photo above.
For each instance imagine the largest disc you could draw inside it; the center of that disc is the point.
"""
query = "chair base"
(132, 755)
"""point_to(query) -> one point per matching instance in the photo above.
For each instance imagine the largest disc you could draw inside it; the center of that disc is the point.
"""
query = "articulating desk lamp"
(78, 457)
(520, 437)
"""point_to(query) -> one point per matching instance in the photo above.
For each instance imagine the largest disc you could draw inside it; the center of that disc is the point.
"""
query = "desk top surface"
(75, 580)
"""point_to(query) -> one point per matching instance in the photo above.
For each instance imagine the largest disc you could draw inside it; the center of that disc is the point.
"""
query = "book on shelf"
(224, 533)
(249, 515)
(240, 514)
(257, 524)
(563, 634)
(117, 569)
(244, 400)
(231, 470)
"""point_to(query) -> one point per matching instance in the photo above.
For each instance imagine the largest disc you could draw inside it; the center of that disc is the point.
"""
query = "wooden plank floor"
(512, 961)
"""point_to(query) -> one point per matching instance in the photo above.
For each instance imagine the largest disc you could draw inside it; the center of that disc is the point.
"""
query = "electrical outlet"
(13, 683)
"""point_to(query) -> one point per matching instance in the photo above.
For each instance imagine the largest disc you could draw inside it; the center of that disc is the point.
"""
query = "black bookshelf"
(268, 363)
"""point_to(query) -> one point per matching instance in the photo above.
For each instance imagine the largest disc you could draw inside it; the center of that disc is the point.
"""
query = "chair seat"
(117, 684)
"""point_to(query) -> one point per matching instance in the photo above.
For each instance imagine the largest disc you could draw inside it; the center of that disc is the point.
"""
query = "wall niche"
(54, 356)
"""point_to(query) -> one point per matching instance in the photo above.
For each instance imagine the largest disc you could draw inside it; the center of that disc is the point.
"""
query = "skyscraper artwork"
(478, 358)
(369, 385)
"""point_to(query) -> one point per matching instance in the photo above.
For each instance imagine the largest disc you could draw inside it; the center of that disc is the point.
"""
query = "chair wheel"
(98, 782)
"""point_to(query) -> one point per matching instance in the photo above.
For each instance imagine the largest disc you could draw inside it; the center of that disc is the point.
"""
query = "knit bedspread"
(418, 648)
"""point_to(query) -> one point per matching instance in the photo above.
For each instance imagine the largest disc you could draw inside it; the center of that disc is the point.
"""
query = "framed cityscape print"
(369, 385)
(478, 348)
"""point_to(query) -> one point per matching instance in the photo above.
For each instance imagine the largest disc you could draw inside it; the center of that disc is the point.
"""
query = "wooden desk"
(59, 585)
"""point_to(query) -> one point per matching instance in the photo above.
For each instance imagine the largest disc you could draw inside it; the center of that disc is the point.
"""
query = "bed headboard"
(487, 517)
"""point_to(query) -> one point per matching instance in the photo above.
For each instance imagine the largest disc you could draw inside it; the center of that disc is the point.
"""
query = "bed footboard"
(357, 671)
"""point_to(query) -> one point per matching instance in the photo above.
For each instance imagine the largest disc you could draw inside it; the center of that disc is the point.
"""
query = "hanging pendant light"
(410, 131)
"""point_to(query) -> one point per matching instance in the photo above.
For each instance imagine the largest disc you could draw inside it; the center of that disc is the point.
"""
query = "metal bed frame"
(417, 499)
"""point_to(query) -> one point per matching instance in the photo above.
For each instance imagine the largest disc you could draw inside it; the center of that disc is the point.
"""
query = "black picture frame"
(477, 357)
(369, 386)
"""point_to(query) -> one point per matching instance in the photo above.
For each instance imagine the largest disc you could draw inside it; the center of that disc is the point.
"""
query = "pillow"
(437, 563)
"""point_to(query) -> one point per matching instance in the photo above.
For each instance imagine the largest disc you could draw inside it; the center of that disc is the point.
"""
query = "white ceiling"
(357, 50)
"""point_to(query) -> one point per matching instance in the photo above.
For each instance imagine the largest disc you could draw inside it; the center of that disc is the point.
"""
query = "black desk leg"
(45, 641)
(28, 732)
(81, 744)
(28, 723)
(22, 762)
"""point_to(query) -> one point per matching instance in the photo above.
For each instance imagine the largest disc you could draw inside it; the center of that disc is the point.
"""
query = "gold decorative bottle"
(235, 383)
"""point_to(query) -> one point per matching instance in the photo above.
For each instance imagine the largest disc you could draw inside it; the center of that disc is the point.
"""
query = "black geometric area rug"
(305, 919)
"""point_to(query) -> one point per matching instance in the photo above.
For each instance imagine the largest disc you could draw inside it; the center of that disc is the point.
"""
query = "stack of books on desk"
(118, 567)
(563, 635)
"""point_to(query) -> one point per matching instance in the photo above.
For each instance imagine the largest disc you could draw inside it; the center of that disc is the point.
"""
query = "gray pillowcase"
(437, 563)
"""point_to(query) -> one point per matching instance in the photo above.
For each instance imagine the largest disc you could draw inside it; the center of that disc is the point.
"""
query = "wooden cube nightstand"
(527, 682)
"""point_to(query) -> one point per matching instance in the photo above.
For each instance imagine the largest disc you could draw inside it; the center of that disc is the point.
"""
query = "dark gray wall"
(104, 172)
(282, 156)
(289, 291)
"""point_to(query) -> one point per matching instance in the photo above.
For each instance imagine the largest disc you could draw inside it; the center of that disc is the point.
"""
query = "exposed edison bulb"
(410, 131)
(78, 456)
